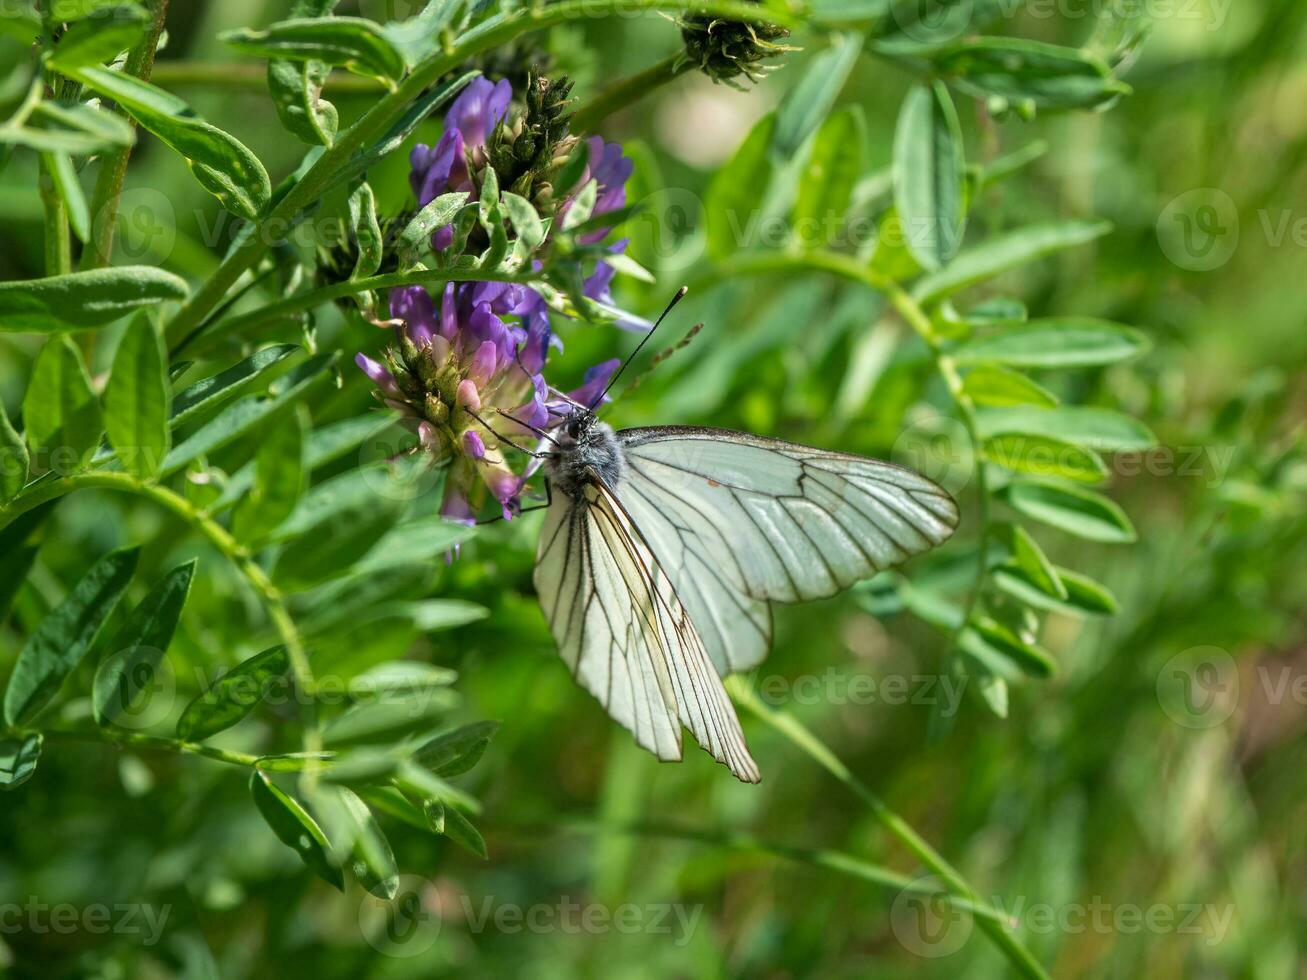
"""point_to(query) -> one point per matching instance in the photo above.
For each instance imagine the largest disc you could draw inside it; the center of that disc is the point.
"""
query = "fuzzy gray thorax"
(585, 444)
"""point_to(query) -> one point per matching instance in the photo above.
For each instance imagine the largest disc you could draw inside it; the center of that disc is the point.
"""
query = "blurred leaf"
(353, 43)
(1101, 429)
(986, 639)
(891, 257)
(18, 546)
(373, 861)
(390, 716)
(220, 162)
(296, 87)
(62, 639)
(60, 410)
(807, 104)
(583, 205)
(18, 759)
(1077, 511)
(420, 540)
(279, 479)
(1084, 596)
(991, 385)
(460, 830)
(455, 752)
(390, 801)
(736, 191)
(1057, 342)
(139, 645)
(1043, 456)
(248, 414)
(62, 127)
(398, 677)
(136, 400)
(1004, 252)
(208, 393)
(101, 37)
(1016, 68)
(72, 10)
(14, 459)
(69, 188)
(929, 167)
(80, 300)
(295, 828)
(833, 167)
(233, 696)
(1029, 558)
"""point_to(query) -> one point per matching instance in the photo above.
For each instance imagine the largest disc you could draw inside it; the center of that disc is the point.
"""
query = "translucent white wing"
(625, 634)
(737, 520)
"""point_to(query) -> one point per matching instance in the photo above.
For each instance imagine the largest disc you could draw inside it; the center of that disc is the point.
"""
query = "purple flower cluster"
(471, 368)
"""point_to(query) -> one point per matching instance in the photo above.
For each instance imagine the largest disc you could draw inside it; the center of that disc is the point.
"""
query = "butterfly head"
(579, 423)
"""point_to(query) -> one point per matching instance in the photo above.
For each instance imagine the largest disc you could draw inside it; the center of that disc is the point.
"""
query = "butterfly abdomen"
(596, 449)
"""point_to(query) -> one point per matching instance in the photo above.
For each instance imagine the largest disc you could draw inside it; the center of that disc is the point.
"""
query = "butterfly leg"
(549, 499)
(504, 439)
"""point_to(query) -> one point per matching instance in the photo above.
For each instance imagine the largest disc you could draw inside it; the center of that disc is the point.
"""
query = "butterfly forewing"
(737, 520)
(620, 626)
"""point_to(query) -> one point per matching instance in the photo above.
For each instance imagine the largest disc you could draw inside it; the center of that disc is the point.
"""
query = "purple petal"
(467, 395)
(484, 363)
(455, 506)
(381, 377)
(449, 313)
(596, 380)
(435, 169)
(478, 109)
(473, 446)
(442, 238)
(413, 305)
(536, 349)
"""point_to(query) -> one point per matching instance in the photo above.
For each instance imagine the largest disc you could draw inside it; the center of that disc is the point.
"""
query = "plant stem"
(58, 246)
(491, 33)
(626, 91)
(227, 74)
(789, 726)
(113, 166)
(156, 742)
(220, 538)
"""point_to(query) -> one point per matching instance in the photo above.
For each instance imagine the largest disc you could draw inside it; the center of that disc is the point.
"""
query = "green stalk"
(58, 245)
(626, 91)
(373, 124)
(156, 742)
(113, 166)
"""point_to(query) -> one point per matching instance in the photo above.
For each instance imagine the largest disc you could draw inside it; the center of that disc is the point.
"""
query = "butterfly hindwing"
(627, 637)
(737, 521)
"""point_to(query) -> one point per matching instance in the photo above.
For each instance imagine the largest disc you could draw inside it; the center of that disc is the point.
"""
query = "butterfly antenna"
(680, 295)
(665, 354)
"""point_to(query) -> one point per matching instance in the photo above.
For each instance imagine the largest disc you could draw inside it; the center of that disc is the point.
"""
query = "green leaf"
(582, 207)
(372, 861)
(1100, 429)
(1003, 252)
(209, 393)
(1018, 69)
(833, 167)
(440, 212)
(80, 300)
(460, 830)
(14, 459)
(233, 696)
(69, 10)
(808, 103)
(139, 645)
(737, 189)
(528, 227)
(1057, 342)
(101, 37)
(279, 479)
(399, 677)
(136, 400)
(389, 716)
(416, 541)
(991, 385)
(393, 803)
(296, 87)
(62, 639)
(18, 759)
(1029, 558)
(19, 543)
(353, 43)
(62, 127)
(221, 163)
(295, 828)
(69, 188)
(986, 639)
(455, 752)
(1043, 456)
(366, 231)
(1077, 511)
(60, 410)
(248, 414)
(1084, 596)
(929, 168)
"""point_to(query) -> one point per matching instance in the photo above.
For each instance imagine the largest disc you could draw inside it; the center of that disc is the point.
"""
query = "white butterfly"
(663, 547)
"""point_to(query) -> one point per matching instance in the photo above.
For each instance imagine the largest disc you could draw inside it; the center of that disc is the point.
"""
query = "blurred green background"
(1128, 838)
